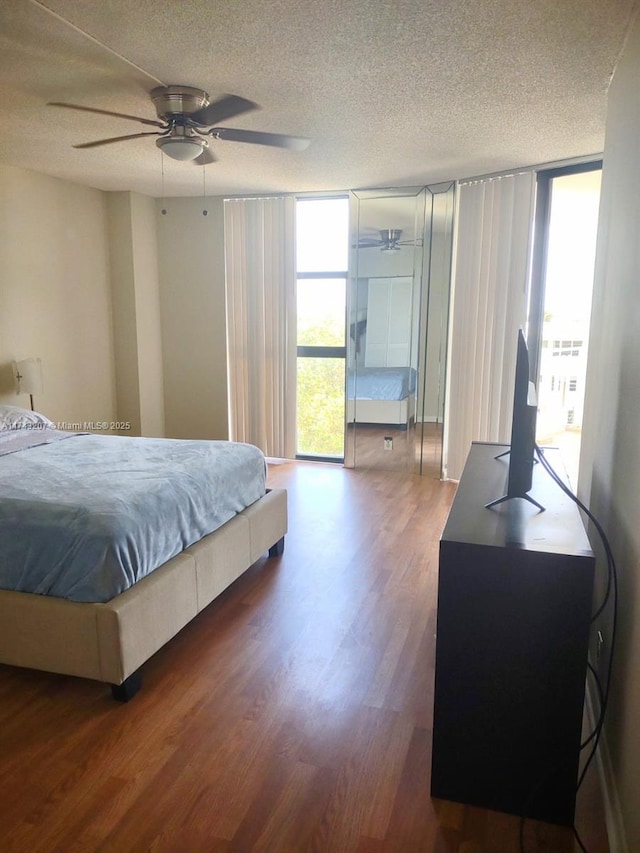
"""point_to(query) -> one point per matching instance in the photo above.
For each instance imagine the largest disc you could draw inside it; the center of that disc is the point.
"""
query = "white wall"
(125, 339)
(111, 295)
(55, 300)
(610, 460)
(192, 300)
(136, 312)
(145, 244)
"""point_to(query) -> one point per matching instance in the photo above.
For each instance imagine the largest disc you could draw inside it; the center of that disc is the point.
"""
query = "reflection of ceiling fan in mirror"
(185, 117)
(387, 240)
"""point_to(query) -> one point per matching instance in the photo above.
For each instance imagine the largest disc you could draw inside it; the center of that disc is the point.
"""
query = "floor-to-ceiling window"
(568, 202)
(322, 252)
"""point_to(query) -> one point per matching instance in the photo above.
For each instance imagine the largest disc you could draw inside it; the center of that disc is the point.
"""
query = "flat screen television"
(523, 432)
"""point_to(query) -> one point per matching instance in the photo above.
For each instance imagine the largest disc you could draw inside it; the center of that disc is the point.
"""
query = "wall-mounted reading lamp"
(27, 375)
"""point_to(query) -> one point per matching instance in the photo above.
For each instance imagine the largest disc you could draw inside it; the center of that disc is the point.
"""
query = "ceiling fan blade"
(117, 139)
(294, 143)
(205, 158)
(226, 107)
(106, 113)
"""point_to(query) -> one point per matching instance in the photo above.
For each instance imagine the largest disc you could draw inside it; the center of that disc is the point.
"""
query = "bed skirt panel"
(265, 517)
(52, 634)
(135, 624)
(220, 560)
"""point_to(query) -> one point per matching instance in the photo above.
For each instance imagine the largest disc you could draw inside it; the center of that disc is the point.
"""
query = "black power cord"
(603, 693)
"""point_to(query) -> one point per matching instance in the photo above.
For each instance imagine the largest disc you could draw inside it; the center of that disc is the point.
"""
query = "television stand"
(508, 496)
(511, 497)
(513, 621)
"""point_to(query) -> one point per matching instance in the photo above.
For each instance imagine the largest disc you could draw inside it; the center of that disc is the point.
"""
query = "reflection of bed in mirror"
(382, 395)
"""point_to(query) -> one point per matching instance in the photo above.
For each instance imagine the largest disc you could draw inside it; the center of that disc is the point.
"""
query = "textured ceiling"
(391, 94)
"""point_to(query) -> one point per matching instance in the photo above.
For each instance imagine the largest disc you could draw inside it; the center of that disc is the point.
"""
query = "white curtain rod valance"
(246, 198)
(525, 170)
(470, 182)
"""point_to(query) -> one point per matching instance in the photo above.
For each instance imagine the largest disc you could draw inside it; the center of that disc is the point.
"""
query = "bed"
(110, 545)
(381, 395)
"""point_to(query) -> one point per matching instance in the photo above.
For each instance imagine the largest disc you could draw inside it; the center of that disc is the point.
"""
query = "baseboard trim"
(613, 813)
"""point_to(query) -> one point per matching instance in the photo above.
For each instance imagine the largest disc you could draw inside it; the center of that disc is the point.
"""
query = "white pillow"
(13, 417)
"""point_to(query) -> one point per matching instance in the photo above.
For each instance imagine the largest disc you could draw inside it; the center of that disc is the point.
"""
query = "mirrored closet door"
(397, 317)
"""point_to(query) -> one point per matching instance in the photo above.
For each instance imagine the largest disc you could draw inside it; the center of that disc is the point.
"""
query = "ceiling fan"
(388, 240)
(186, 117)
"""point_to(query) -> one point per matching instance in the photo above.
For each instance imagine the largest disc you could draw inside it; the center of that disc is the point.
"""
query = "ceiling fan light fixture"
(181, 147)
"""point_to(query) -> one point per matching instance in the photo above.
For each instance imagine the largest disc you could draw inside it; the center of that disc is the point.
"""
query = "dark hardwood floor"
(293, 715)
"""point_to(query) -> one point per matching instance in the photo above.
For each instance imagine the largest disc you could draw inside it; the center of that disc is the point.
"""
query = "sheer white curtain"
(491, 267)
(261, 322)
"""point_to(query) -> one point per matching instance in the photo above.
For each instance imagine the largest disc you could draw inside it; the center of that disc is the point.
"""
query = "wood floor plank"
(284, 816)
(292, 716)
(413, 820)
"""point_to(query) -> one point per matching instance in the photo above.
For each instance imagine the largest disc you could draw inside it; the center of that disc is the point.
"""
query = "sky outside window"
(322, 235)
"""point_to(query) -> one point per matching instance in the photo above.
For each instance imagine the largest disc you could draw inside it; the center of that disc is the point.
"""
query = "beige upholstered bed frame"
(110, 642)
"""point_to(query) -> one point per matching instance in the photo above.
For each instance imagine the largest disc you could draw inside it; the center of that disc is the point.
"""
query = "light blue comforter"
(87, 517)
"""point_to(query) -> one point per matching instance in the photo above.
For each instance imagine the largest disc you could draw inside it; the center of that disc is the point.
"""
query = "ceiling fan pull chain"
(205, 212)
(164, 201)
